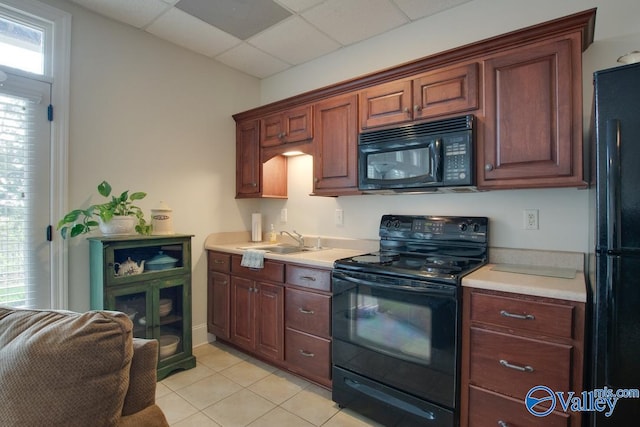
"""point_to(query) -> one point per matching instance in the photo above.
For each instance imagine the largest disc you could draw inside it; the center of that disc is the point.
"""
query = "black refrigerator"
(614, 260)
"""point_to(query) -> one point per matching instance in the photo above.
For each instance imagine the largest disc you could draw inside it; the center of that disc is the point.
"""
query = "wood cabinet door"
(444, 92)
(270, 320)
(294, 125)
(218, 304)
(248, 166)
(271, 130)
(242, 331)
(532, 133)
(386, 104)
(335, 164)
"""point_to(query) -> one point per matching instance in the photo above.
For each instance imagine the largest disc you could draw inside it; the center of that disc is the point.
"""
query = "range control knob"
(463, 227)
(476, 228)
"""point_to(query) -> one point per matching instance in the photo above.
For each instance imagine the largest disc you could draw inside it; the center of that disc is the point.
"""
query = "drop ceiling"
(264, 37)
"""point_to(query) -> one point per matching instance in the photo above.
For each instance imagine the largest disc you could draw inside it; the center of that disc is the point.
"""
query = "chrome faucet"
(298, 237)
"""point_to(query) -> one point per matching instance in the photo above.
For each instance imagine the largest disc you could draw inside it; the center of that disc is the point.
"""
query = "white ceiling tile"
(138, 13)
(308, 42)
(185, 30)
(252, 61)
(354, 20)
(416, 9)
(298, 5)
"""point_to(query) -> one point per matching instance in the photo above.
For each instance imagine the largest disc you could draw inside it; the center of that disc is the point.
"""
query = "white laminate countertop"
(573, 289)
(335, 249)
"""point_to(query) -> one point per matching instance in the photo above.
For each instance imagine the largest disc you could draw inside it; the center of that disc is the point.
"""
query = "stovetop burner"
(427, 248)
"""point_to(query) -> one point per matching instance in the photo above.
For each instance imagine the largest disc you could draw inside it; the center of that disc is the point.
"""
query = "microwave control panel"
(457, 167)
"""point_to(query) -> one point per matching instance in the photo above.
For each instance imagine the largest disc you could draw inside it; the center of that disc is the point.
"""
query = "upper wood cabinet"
(532, 130)
(290, 126)
(431, 94)
(524, 88)
(335, 160)
(253, 177)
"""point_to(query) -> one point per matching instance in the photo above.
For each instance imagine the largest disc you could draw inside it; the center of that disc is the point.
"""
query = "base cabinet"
(512, 343)
(158, 301)
(279, 314)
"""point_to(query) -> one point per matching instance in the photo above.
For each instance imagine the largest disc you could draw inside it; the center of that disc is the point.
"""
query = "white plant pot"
(118, 225)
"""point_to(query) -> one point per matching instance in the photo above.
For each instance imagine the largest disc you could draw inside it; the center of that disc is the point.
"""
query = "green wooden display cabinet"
(158, 299)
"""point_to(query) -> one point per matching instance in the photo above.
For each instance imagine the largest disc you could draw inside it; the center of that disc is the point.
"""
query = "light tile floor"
(228, 388)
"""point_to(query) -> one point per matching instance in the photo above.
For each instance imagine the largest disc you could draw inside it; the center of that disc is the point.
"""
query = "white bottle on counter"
(273, 237)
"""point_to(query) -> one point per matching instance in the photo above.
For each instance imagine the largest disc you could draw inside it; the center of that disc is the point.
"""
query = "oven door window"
(394, 326)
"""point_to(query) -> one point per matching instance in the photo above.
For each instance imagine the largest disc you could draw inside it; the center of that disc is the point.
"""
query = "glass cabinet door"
(135, 303)
(172, 320)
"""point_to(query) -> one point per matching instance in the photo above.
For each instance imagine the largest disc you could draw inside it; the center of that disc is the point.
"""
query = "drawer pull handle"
(516, 367)
(502, 424)
(313, 279)
(218, 261)
(306, 354)
(505, 313)
(304, 311)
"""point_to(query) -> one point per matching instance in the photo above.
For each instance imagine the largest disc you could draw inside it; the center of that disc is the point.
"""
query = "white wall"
(147, 115)
(563, 212)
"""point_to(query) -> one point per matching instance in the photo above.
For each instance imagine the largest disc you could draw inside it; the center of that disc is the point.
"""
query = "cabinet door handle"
(505, 313)
(303, 311)
(488, 167)
(502, 424)
(506, 364)
(416, 108)
(313, 279)
(306, 354)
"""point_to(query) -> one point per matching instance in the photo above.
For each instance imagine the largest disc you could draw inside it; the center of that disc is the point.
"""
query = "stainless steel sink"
(284, 248)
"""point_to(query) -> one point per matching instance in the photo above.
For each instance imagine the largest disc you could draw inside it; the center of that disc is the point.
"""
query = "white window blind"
(24, 171)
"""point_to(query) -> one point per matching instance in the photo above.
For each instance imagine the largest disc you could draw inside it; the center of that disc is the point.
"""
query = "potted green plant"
(107, 216)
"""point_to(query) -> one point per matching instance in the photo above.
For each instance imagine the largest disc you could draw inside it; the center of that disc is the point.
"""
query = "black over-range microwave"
(426, 156)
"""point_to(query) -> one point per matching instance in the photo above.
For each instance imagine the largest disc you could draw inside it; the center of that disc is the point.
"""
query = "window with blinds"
(25, 139)
(25, 272)
(16, 150)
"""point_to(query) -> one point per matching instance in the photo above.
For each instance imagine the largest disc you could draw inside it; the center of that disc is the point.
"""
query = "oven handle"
(439, 290)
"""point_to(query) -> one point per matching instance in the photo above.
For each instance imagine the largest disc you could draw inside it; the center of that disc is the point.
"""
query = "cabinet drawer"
(218, 261)
(545, 363)
(307, 353)
(309, 277)
(488, 409)
(527, 315)
(273, 271)
(308, 312)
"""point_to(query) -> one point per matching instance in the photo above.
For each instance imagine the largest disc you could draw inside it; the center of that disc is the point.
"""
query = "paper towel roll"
(256, 227)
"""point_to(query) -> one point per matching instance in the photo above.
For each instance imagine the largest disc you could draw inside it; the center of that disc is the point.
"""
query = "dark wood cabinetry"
(280, 313)
(512, 343)
(291, 126)
(158, 301)
(524, 87)
(532, 133)
(257, 308)
(335, 162)
(427, 95)
(256, 177)
(218, 291)
(308, 322)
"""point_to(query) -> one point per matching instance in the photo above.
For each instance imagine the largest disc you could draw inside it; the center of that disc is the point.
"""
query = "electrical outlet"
(339, 217)
(531, 219)
(283, 215)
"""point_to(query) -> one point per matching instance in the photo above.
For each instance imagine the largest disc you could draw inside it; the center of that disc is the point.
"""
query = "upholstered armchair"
(59, 368)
